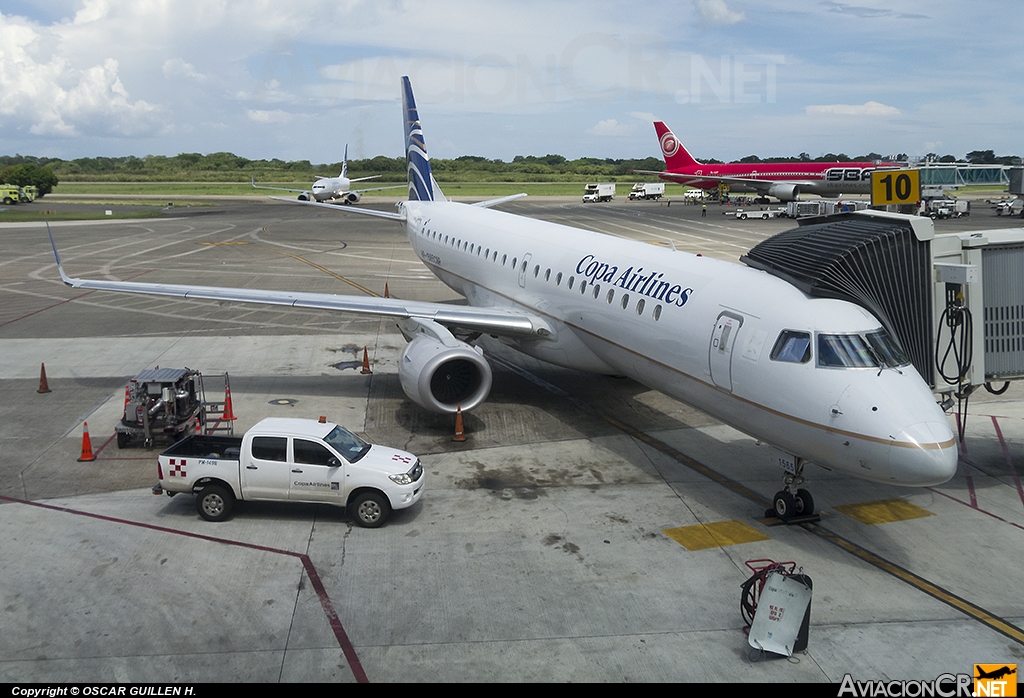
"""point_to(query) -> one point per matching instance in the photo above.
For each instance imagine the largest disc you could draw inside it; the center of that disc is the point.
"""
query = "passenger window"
(270, 448)
(792, 347)
(657, 313)
(311, 453)
(640, 307)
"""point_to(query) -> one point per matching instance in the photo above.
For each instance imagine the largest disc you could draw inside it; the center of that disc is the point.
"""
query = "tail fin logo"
(669, 144)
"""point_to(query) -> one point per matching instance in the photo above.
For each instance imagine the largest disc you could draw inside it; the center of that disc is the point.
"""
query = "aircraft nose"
(931, 459)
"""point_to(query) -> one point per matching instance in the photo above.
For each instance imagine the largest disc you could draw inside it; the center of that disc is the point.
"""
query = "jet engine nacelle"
(304, 196)
(441, 377)
(784, 192)
(351, 197)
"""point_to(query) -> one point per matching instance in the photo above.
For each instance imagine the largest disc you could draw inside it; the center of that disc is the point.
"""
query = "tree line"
(228, 167)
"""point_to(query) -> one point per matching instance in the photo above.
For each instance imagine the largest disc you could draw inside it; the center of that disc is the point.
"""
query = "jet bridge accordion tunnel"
(933, 293)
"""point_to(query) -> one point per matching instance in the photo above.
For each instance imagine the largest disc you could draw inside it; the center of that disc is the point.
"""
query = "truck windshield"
(347, 444)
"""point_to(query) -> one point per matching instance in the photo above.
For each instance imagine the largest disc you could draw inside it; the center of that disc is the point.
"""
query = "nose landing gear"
(793, 504)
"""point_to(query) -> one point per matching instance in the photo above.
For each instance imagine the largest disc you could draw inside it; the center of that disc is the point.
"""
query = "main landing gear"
(792, 501)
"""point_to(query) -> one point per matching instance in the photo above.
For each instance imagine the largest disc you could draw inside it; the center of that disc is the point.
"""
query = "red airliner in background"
(783, 180)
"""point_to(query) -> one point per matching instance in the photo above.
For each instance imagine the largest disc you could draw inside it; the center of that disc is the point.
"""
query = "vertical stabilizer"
(676, 156)
(422, 186)
(344, 164)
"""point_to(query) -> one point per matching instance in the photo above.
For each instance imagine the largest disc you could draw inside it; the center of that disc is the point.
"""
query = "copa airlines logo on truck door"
(648, 284)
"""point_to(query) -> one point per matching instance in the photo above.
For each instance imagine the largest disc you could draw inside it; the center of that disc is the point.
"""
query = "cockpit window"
(793, 347)
(887, 349)
(845, 351)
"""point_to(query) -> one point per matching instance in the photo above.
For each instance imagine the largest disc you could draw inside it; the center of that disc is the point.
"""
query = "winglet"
(64, 277)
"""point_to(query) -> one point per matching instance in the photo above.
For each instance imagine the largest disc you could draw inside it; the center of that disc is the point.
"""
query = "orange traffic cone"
(387, 293)
(366, 363)
(460, 433)
(127, 399)
(44, 387)
(87, 454)
(229, 413)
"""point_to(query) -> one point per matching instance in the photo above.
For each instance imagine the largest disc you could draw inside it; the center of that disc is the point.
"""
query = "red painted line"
(325, 600)
(1009, 461)
(986, 513)
(962, 458)
(104, 445)
(69, 300)
(332, 618)
(43, 310)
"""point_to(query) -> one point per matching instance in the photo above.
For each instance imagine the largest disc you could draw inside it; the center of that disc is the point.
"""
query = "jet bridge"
(955, 302)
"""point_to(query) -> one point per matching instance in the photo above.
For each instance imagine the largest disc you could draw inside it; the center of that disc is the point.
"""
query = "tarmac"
(590, 529)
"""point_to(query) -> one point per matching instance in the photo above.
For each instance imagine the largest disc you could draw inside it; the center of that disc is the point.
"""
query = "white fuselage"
(698, 329)
(327, 188)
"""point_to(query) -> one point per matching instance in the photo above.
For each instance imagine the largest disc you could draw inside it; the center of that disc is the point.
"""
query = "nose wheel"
(792, 501)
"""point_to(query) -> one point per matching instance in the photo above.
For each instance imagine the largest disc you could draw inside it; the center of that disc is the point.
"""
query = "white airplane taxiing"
(819, 379)
(337, 189)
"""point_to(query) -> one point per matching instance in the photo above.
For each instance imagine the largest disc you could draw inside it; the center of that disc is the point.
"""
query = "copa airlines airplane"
(817, 378)
(784, 180)
(332, 188)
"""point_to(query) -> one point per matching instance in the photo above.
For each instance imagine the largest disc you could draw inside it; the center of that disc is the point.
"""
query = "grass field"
(177, 189)
(28, 215)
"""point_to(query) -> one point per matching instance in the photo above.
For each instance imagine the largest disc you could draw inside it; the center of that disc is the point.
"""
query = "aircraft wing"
(498, 321)
(336, 207)
(393, 186)
(759, 184)
(297, 191)
(495, 202)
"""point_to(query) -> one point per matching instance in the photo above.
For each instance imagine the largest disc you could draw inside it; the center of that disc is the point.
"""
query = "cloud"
(610, 127)
(717, 12)
(178, 68)
(261, 116)
(866, 109)
(51, 97)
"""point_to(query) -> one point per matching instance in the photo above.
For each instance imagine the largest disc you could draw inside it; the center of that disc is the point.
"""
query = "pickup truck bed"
(207, 447)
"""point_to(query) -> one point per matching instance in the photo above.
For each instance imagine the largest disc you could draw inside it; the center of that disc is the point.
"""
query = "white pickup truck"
(296, 460)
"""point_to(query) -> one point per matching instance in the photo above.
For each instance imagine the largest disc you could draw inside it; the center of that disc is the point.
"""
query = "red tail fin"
(676, 156)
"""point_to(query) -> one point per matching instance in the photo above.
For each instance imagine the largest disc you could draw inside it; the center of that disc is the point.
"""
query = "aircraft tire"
(804, 503)
(784, 505)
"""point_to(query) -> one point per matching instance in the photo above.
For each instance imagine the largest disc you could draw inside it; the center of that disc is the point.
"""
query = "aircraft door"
(523, 266)
(723, 339)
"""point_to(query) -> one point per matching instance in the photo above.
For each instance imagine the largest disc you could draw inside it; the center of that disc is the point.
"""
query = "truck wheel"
(371, 509)
(122, 439)
(215, 503)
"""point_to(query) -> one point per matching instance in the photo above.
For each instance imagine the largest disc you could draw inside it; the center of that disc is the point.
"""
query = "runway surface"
(589, 530)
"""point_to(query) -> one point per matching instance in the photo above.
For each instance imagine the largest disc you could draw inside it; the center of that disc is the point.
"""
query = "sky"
(298, 81)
